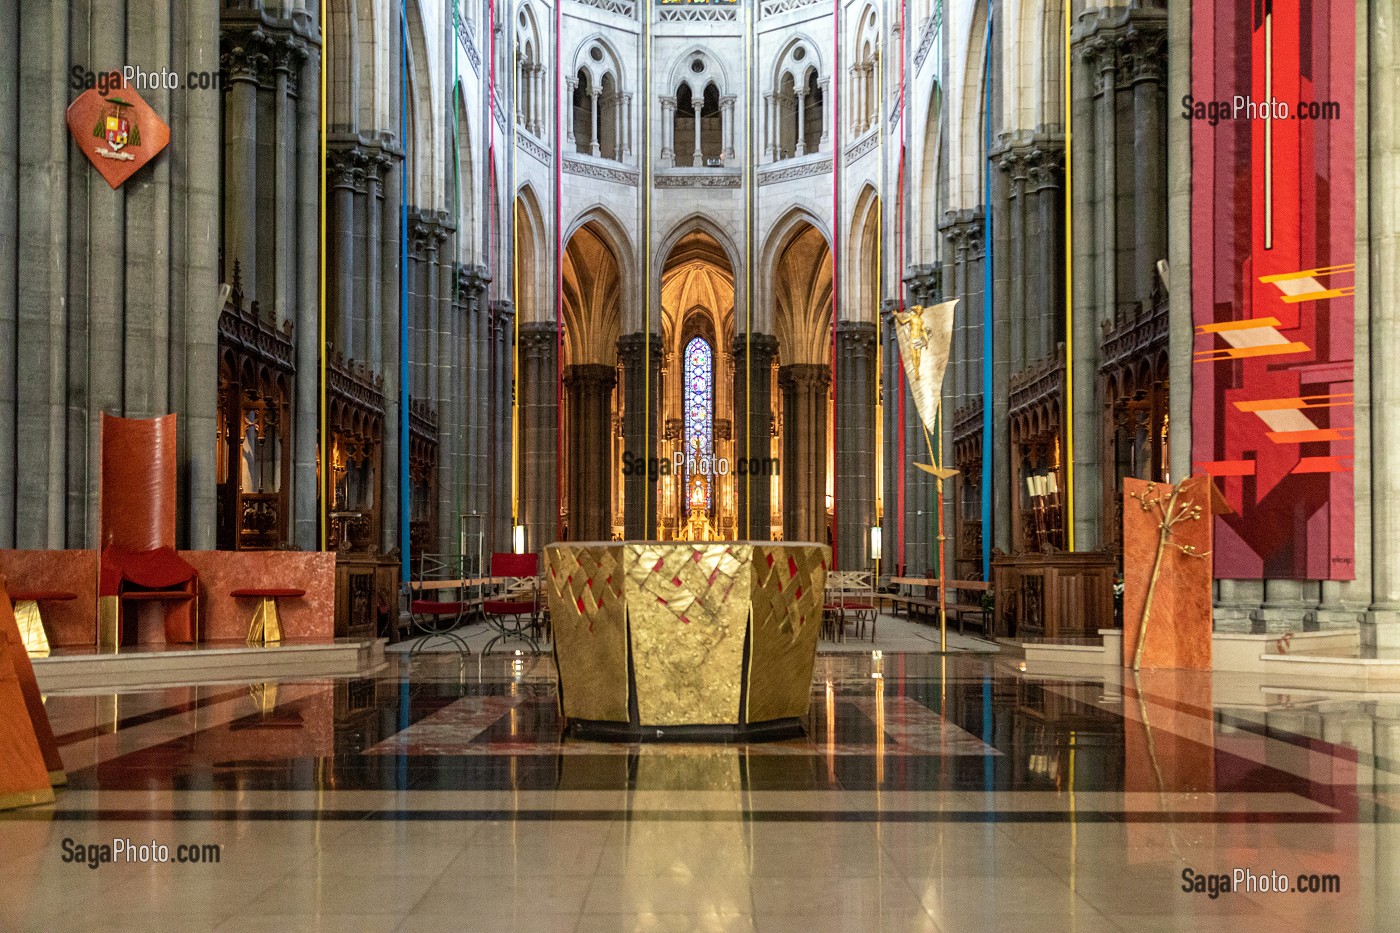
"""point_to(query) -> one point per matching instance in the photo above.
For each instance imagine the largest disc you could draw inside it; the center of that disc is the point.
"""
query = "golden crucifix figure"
(925, 336)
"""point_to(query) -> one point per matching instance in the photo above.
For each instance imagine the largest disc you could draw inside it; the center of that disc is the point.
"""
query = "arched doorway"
(592, 435)
(697, 499)
(801, 282)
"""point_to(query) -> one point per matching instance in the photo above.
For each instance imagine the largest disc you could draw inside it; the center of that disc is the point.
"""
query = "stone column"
(291, 52)
(593, 96)
(626, 127)
(539, 433)
(1089, 310)
(1106, 119)
(800, 146)
(1046, 308)
(589, 387)
(244, 65)
(541, 101)
(618, 147)
(503, 384)
(445, 361)
(520, 89)
(1146, 45)
(858, 98)
(374, 263)
(1015, 247)
(343, 170)
(306, 414)
(804, 387)
(753, 431)
(668, 128)
(391, 354)
(1002, 354)
(1381, 627)
(477, 400)
(639, 503)
(431, 326)
(825, 85)
(697, 158)
(855, 442)
(727, 115)
(769, 148)
(893, 519)
(571, 86)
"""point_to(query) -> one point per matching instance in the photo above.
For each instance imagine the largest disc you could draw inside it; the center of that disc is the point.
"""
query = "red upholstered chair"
(518, 600)
(138, 561)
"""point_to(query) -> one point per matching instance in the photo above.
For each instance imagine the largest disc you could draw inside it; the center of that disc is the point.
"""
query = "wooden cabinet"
(1057, 594)
(366, 594)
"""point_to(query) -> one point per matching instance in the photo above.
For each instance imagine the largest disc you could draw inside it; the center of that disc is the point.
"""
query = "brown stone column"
(753, 432)
(589, 388)
(804, 387)
(639, 500)
(539, 432)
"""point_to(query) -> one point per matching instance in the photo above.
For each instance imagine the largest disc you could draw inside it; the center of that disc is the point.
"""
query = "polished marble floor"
(958, 793)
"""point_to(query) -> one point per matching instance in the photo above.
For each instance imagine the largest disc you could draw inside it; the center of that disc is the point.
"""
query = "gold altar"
(688, 639)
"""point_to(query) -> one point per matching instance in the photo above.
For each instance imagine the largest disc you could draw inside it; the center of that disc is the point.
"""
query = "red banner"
(1273, 226)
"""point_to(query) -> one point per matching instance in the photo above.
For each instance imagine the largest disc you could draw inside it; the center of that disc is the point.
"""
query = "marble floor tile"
(957, 796)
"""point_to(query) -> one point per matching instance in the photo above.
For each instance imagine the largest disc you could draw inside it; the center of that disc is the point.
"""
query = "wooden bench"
(958, 606)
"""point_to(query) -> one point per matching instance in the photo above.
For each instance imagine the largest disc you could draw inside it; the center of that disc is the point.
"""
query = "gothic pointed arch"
(860, 300)
(531, 258)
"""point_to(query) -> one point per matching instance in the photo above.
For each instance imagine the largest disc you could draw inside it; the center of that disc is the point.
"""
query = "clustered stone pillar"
(894, 521)
(539, 432)
(805, 388)
(385, 350)
(854, 425)
(639, 501)
(477, 402)
(590, 393)
(753, 431)
(245, 63)
(726, 104)
(501, 379)
(962, 270)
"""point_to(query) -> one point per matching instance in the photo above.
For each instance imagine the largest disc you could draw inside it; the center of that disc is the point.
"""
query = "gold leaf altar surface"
(669, 621)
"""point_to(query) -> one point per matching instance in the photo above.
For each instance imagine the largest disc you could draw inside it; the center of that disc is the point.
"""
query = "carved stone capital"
(245, 55)
(762, 348)
(857, 337)
(800, 377)
(539, 340)
(631, 351)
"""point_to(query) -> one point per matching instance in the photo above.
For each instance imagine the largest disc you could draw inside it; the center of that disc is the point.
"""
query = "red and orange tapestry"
(1272, 268)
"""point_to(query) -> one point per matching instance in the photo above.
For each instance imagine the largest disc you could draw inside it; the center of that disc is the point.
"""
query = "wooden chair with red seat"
(138, 561)
(518, 600)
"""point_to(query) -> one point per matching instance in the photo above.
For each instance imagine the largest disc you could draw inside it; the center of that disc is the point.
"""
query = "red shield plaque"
(119, 132)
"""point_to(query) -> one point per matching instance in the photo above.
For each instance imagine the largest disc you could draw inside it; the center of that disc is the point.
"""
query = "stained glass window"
(699, 414)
